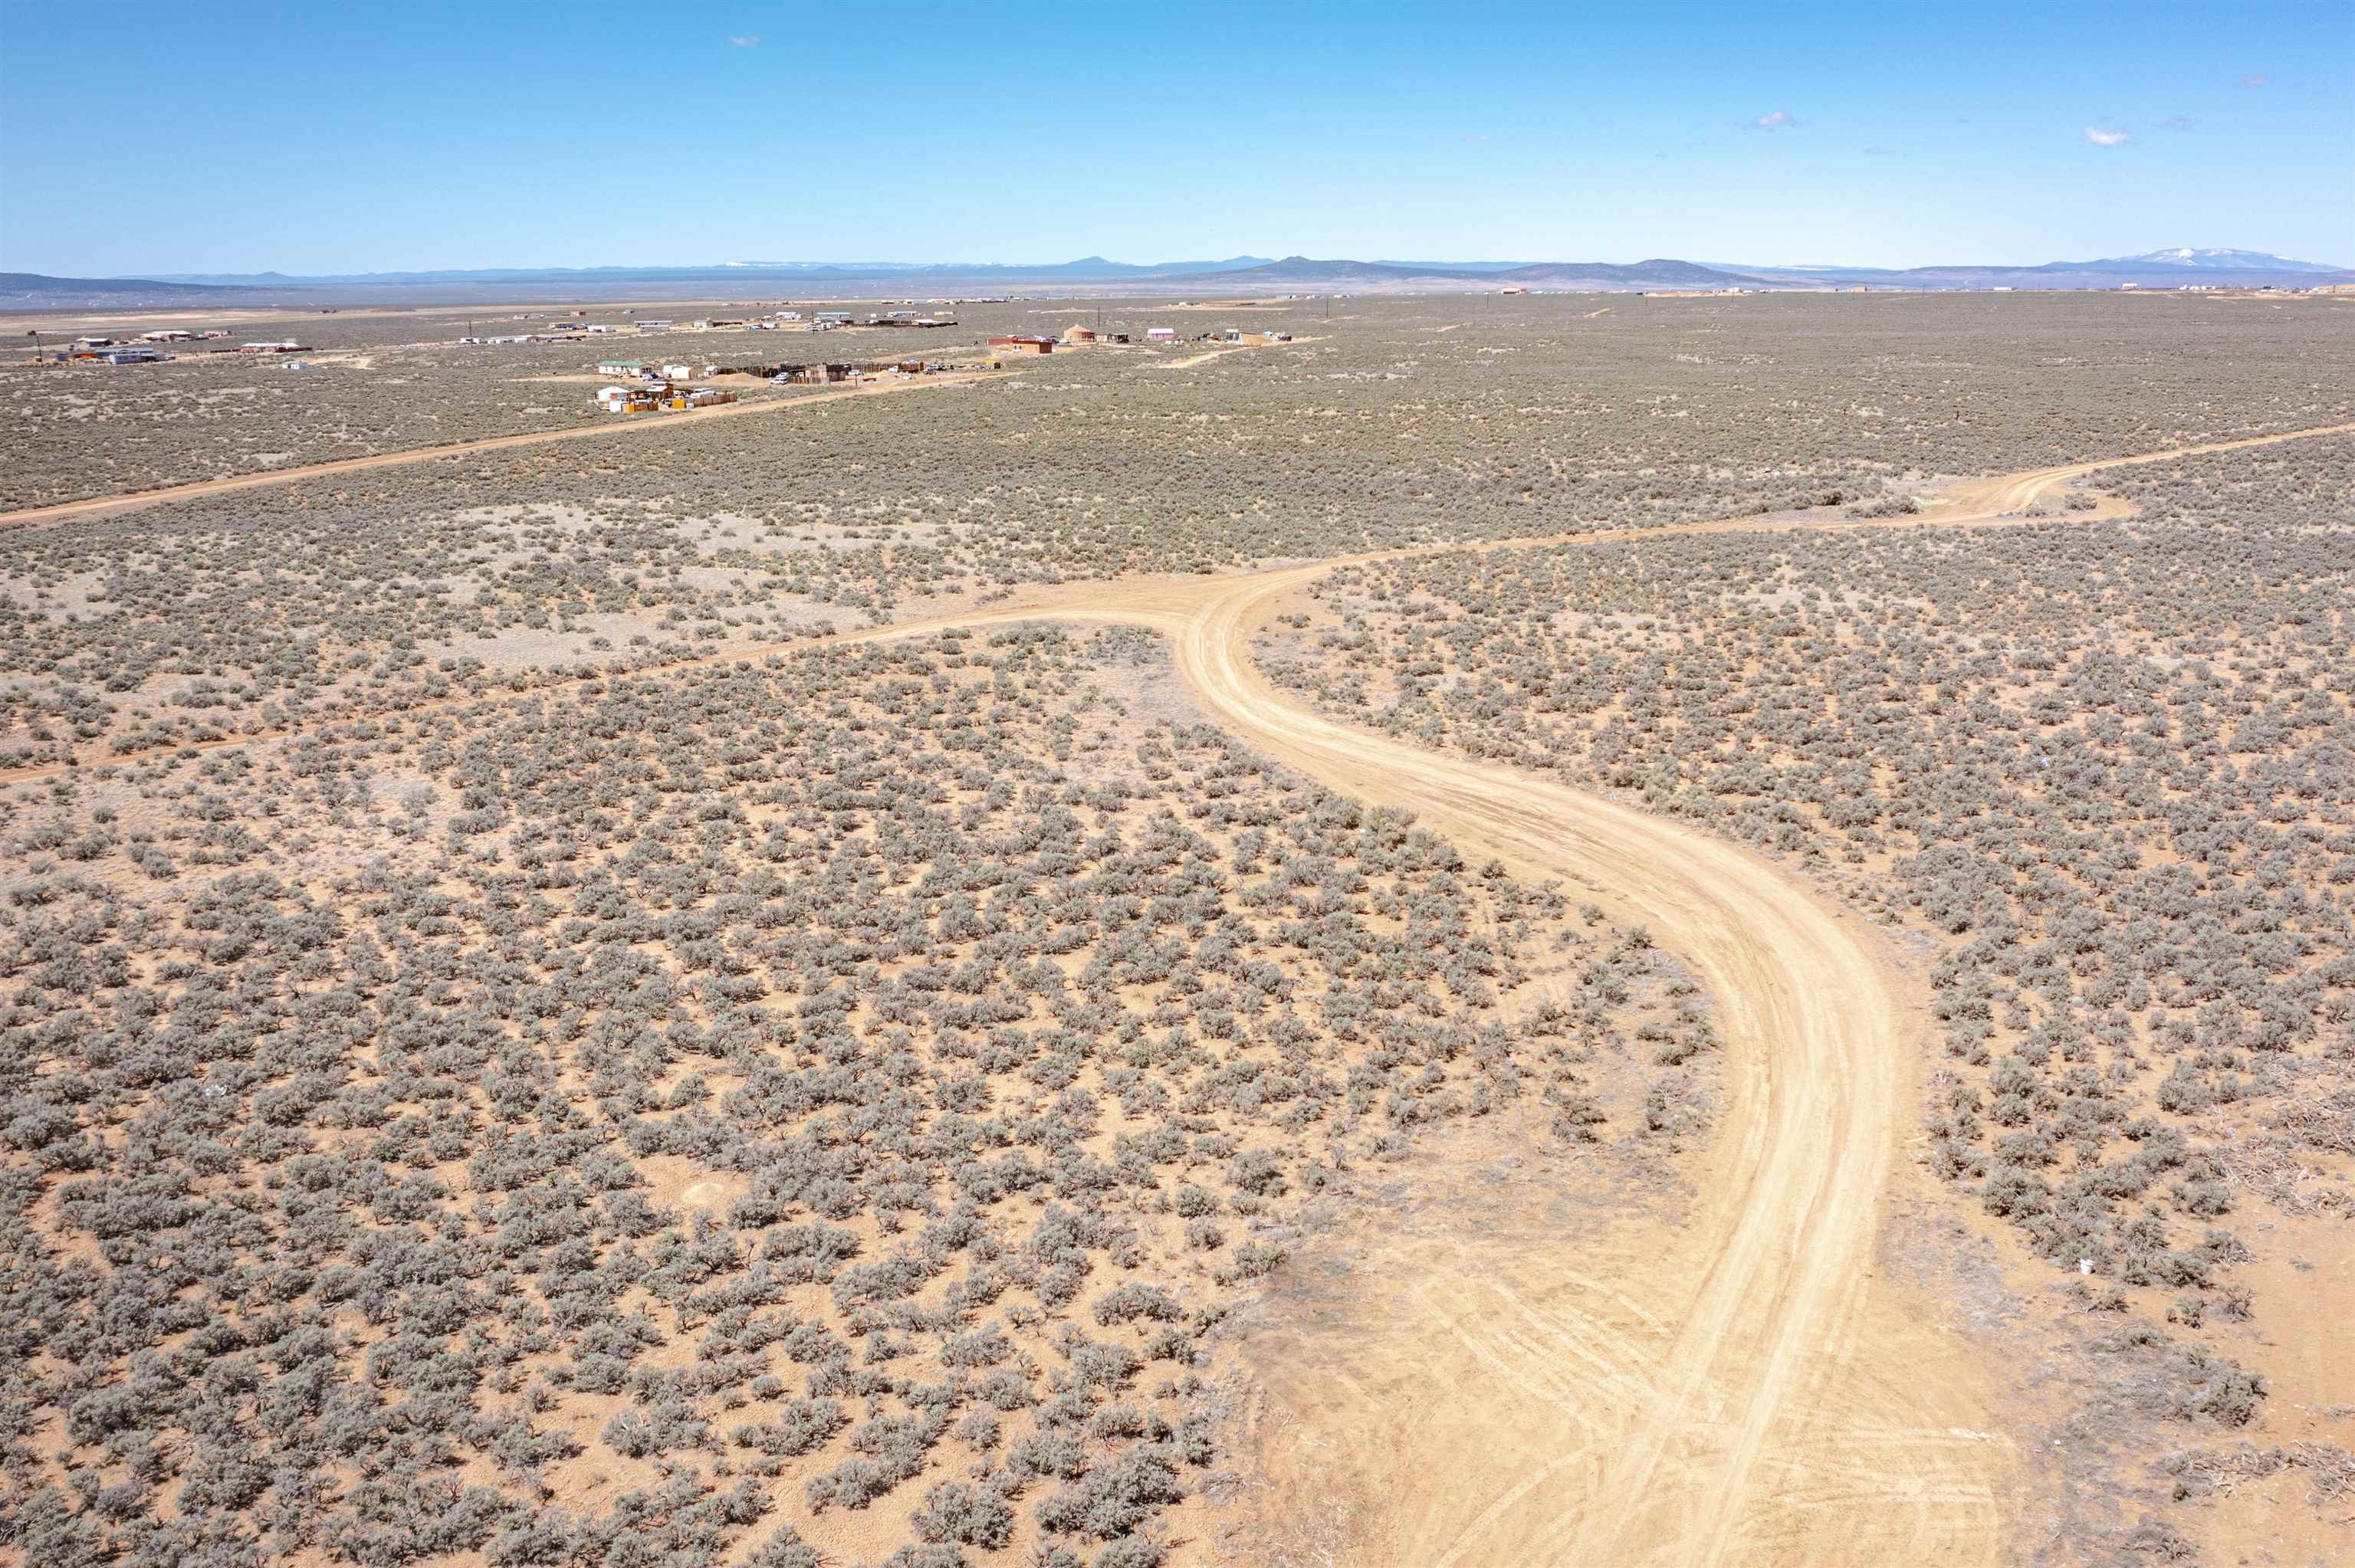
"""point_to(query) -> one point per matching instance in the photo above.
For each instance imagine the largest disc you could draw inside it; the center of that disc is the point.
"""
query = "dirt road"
(2012, 492)
(618, 426)
(1742, 1388)
(1193, 359)
(1680, 1429)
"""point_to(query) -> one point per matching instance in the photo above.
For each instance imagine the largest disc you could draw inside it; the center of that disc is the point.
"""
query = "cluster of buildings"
(144, 349)
(656, 397)
(1015, 344)
(1072, 337)
(645, 370)
(565, 330)
(644, 387)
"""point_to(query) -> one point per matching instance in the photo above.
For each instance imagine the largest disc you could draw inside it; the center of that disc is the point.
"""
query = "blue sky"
(322, 137)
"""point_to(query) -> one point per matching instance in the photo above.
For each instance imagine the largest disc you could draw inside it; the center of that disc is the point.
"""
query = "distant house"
(1076, 334)
(289, 347)
(654, 326)
(169, 334)
(1161, 335)
(1023, 344)
(678, 372)
(636, 369)
(133, 357)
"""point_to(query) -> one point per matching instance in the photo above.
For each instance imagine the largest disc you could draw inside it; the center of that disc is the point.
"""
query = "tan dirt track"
(1975, 502)
(620, 425)
(1744, 1389)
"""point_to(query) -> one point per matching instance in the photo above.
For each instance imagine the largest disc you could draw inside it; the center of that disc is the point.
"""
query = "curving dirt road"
(129, 500)
(2010, 492)
(1745, 1391)
(1816, 1074)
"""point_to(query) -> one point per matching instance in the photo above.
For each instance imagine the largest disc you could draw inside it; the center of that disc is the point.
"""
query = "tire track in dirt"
(2010, 492)
(1813, 1106)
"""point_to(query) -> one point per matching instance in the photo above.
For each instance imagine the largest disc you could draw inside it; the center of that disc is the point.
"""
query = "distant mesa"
(39, 289)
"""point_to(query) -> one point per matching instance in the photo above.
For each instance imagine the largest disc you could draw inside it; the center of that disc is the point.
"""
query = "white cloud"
(1774, 120)
(748, 41)
(2100, 137)
(2257, 79)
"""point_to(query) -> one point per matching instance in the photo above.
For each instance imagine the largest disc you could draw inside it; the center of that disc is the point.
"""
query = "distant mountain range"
(1235, 274)
(16, 287)
(2200, 260)
(2164, 269)
(1087, 267)
(1298, 270)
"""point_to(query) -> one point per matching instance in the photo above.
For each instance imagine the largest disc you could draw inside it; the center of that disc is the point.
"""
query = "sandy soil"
(1746, 1387)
